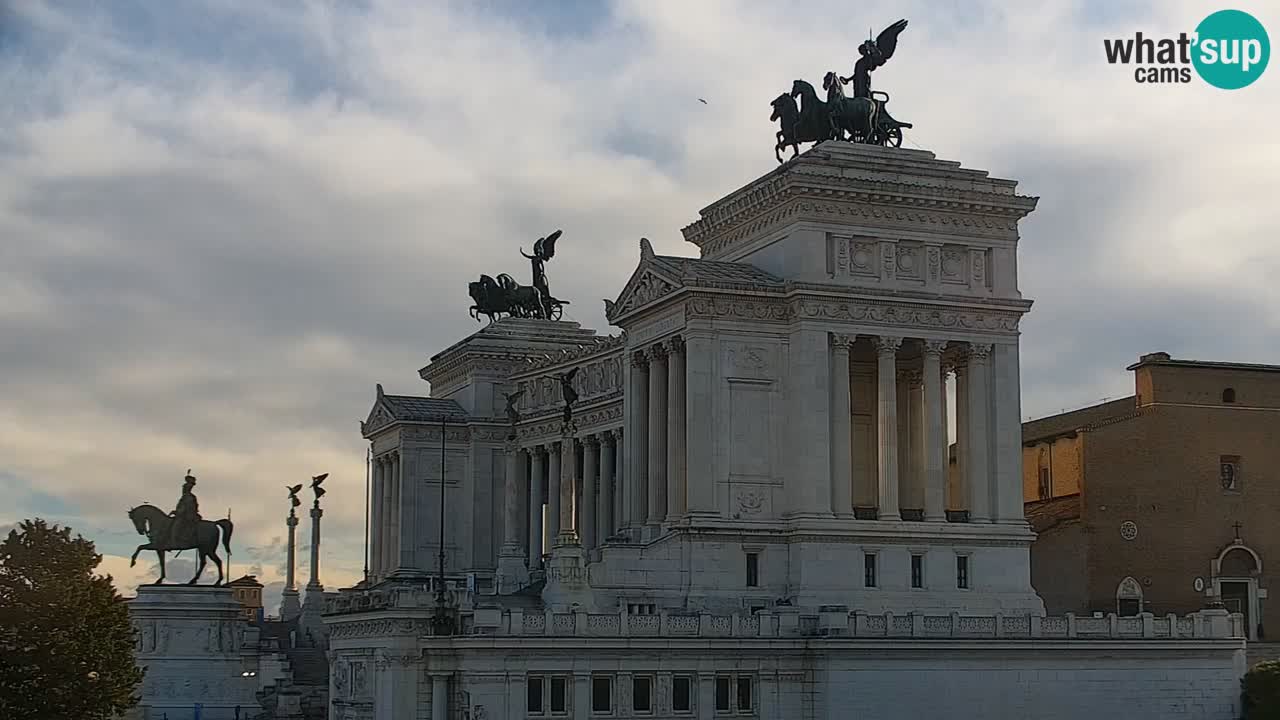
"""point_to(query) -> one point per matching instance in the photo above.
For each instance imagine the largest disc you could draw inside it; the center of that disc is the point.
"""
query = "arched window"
(1229, 395)
(1128, 598)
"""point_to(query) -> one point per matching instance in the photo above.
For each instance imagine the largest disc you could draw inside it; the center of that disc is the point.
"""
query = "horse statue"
(526, 301)
(794, 131)
(856, 115)
(154, 523)
(504, 296)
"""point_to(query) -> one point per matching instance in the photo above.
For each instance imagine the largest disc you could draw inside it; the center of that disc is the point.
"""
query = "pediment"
(648, 283)
(380, 416)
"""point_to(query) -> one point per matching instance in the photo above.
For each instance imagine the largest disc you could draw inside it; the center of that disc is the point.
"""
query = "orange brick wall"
(1062, 457)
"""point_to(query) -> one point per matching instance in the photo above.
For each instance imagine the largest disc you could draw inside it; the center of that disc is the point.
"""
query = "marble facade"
(760, 452)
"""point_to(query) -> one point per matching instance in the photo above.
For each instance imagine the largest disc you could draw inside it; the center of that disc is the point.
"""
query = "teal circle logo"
(1231, 50)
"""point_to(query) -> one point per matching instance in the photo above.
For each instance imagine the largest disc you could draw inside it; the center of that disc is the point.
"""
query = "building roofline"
(1163, 359)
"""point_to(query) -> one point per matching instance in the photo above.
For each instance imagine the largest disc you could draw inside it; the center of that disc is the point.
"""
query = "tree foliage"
(1262, 691)
(66, 644)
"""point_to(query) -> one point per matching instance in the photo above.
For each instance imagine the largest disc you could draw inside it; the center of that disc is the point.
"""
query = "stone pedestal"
(290, 605)
(189, 641)
(567, 579)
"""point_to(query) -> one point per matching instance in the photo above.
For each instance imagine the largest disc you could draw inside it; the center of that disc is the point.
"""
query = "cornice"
(565, 358)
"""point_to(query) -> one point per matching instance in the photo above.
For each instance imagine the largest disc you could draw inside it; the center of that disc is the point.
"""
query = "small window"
(533, 704)
(1046, 484)
(722, 694)
(1229, 472)
(744, 694)
(917, 571)
(681, 694)
(962, 572)
(601, 694)
(559, 696)
(641, 694)
(753, 569)
(1229, 395)
(869, 570)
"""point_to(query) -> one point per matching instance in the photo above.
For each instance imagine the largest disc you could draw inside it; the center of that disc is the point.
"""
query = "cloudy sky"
(222, 221)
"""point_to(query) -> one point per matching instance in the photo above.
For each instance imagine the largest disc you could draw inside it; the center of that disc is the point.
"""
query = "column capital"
(511, 445)
(979, 351)
(593, 440)
(657, 351)
(887, 344)
(911, 377)
(537, 450)
(675, 345)
(640, 358)
(616, 433)
(842, 341)
(934, 347)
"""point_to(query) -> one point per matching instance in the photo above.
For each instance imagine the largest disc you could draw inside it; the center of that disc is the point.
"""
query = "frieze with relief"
(905, 316)
(729, 308)
(597, 379)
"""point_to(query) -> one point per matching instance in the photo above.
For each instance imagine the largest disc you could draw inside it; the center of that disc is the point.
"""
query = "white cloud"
(216, 260)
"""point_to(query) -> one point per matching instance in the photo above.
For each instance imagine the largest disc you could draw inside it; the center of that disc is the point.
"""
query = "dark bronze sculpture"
(568, 392)
(293, 494)
(504, 296)
(316, 482)
(183, 529)
(863, 117)
(513, 414)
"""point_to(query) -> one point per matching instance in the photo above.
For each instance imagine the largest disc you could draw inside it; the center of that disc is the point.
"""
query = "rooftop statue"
(863, 118)
(513, 413)
(182, 529)
(568, 392)
(504, 296)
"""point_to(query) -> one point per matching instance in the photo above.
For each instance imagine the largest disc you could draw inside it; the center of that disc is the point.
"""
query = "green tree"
(66, 644)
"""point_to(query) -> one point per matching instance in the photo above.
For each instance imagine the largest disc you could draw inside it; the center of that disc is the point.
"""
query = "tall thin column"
(676, 406)
(289, 605)
(568, 534)
(514, 491)
(915, 472)
(554, 498)
(604, 512)
(376, 520)
(657, 436)
(537, 458)
(316, 514)
(904, 439)
(841, 428)
(406, 518)
(978, 449)
(1005, 373)
(638, 470)
(590, 476)
(887, 406)
(391, 509)
(619, 519)
(961, 370)
(933, 433)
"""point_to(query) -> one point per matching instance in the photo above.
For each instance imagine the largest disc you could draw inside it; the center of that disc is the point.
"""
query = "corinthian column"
(568, 535)
(590, 475)
(933, 435)
(514, 491)
(887, 406)
(978, 472)
(636, 499)
(657, 436)
(676, 459)
(841, 428)
(537, 464)
(605, 526)
(554, 497)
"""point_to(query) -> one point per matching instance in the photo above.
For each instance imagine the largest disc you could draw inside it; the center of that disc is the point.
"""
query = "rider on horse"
(186, 516)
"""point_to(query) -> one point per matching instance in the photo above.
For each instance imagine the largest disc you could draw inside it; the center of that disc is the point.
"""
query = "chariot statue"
(495, 297)
(862, 118)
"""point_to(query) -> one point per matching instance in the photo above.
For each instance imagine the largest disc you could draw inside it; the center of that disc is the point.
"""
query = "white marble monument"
(748, 513)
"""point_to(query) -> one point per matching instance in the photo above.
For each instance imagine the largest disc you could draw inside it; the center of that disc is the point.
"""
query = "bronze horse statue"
(154, 523)
(504, 296)
(795, 130)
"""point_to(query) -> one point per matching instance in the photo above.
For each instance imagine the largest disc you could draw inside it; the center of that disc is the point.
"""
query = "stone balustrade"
(839, 622)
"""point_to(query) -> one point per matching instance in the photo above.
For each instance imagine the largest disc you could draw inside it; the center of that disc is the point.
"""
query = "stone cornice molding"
(566, 357)
(901, 316)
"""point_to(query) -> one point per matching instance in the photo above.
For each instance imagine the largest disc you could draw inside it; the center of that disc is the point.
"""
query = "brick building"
(1164, 501)
(248, 592)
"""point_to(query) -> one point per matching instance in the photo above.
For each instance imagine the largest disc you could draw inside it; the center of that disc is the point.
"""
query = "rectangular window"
(533, 704)
(917, 571)
(601, 694)
(869, 570)
(641, 691)
(681, 694)
(744, 694)
(1046, 485)
(559, 699)
(962, 571)
(753, 569)
(722, 694)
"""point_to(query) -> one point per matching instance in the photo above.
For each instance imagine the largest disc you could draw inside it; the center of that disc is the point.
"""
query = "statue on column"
(293, 495)
(316, 482)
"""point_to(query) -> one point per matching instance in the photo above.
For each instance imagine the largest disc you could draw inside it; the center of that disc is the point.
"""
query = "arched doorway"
(1236, 572)
(1128, 598)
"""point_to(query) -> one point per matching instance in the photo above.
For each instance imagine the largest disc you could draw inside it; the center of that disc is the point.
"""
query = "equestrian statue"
(182, 529)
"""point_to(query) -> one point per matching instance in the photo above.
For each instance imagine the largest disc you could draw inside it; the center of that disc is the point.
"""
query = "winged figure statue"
(316, 482)
(293, 494)
(874, 54)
